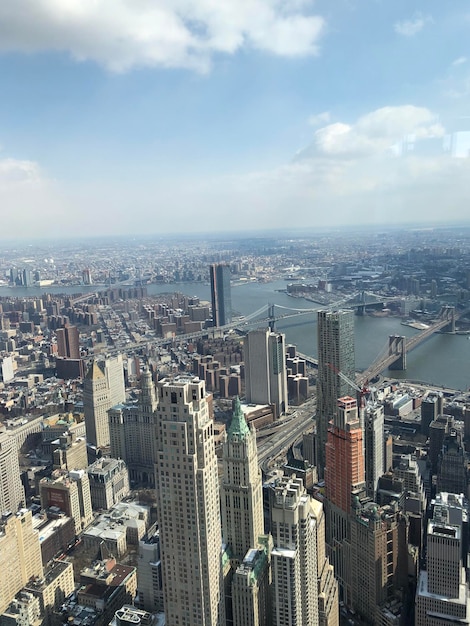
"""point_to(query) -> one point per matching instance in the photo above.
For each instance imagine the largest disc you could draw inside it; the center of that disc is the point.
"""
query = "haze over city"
(167, 116)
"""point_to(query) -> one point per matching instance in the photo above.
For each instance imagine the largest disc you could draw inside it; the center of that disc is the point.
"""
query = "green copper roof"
(238, 425)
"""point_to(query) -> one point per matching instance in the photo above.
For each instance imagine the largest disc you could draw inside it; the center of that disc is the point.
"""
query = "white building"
(373, 426)
(188, 503)
(241, 491)
(103, 388)
(294, 556)
(11, 489)
(442, 595)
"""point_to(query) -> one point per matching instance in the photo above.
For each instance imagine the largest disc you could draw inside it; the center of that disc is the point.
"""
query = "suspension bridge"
(392, 356)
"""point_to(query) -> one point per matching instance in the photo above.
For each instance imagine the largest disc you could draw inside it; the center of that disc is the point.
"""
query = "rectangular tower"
(68, 342)
(221, 294)
(187, 485)
(11, 489)
(335, 340)
(265, 369)
(294, 556)
(344, 471)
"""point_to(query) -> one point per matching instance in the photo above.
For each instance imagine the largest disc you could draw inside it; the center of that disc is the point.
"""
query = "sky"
(162, 116)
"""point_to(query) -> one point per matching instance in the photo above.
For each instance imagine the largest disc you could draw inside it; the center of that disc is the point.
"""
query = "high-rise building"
(294, 556)
(20, 555)
(241, 491)
(335, 339)
(96, 403)
(250, 589)
(373, 446)
(442, 595)
(114, 372)
(68, 342)
(149, 572)
(12, 495)
(103, 388)
(265, 369)
(221, 294)
(375, 550)
(186, 479)
(344, 481)
(132, 433)
(344, 471)
(452, 466)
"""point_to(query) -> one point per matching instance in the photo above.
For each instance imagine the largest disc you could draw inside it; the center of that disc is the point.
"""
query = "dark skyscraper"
(221, 295)
(335, 354)
(68, 342)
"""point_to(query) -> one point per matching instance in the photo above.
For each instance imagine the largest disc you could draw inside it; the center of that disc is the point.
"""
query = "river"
(443, 359)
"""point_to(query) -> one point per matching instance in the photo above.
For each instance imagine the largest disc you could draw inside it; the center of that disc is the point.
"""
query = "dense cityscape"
(176, 449)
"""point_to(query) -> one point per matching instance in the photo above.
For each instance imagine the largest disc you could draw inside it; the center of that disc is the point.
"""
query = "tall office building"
(442, 595)
(250, 589)
(114, 372)
(241, 491)
(265, 369)
(344, 471)
(221, 294)
(373, 446)
(20, 555)
(68, 342)
(103, 388)
(132, 433)
(376, 545)
(12, 495)
(187, 484)
(335, 339)
(344, 479)
(294, 556)
(328, 600)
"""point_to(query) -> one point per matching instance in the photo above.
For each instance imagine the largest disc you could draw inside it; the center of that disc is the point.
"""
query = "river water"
(441, 360)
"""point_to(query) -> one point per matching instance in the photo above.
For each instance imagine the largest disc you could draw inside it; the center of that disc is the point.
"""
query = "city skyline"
(344, 114)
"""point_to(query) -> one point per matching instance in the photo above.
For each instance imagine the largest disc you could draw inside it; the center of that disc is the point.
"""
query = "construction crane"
(364, 392)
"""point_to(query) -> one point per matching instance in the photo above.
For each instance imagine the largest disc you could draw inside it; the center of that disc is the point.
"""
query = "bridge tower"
(361, 309)
(397, 346)
(448, 313)
(271, 316)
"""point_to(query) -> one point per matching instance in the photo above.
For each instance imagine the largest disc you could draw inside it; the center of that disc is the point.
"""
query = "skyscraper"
(96, 403)
(103, 388)
(187, 484)
(344, 471)
(68, 345)
(265, 369)
(335, 338)
(442, 595)
(241, 491)
(11, 489)
(132, 433)
(344, 478)
(373, 446)
(20, 555)
(294, 556)
(221, 294)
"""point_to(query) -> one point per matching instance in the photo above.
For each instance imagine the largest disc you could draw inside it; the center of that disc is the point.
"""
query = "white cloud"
(121, 34)
(459, 61)
(18, 172)
(319, 118)
(349, 175)
(411, 27)
(373, 133)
